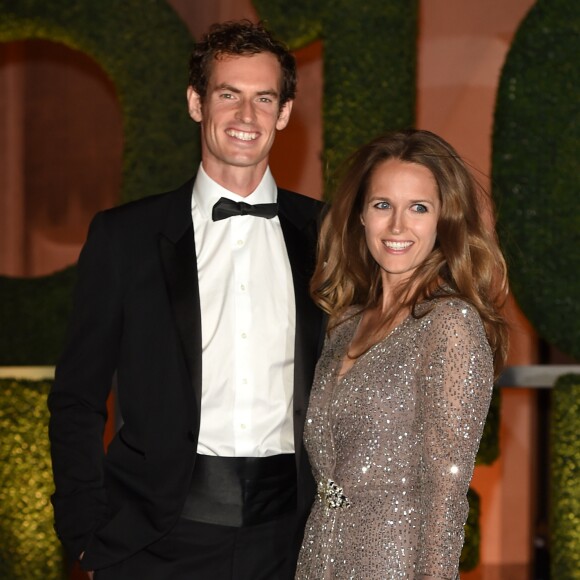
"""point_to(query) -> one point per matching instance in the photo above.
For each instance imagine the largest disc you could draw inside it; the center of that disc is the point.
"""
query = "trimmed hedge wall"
(29, 548)
(565, 479)
(370, 54)
(143, 47)
(470, 553)
(536, 174)
(536, 170)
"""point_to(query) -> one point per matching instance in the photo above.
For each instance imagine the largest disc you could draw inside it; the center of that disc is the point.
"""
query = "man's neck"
(239, 180)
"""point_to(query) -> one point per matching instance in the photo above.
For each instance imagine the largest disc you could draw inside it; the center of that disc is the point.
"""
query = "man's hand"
(91, 573)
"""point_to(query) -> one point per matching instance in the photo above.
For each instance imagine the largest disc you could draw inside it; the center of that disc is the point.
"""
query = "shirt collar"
(206, 192)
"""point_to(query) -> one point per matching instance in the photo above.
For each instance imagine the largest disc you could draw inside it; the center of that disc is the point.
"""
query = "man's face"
(240, 113)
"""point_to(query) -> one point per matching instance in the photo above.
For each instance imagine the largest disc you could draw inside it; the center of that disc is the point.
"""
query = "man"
(198, 301)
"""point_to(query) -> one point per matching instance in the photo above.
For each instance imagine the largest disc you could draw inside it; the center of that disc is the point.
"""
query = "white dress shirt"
(248, 317)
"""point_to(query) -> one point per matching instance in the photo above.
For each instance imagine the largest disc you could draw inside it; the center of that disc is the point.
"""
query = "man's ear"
(194, 105)
(284, 115)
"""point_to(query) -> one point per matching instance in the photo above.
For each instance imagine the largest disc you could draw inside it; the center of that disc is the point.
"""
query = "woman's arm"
(455, 396)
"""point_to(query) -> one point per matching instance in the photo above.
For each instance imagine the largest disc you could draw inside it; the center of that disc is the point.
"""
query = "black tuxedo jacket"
(136, 313)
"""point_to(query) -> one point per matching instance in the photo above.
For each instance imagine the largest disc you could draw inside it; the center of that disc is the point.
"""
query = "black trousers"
(200, 551)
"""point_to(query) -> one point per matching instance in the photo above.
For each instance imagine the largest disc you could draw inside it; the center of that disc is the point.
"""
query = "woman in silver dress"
(412, 278)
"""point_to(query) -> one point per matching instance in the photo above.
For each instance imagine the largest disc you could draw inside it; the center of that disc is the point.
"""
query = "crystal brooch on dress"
(331, 495)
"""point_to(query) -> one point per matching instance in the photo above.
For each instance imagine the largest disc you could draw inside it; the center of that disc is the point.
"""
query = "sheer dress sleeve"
(455, 396)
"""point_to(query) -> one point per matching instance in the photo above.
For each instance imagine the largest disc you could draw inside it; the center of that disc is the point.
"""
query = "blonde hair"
(466, 261)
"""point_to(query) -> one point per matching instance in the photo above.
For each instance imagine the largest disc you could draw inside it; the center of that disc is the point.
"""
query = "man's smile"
(242, 135)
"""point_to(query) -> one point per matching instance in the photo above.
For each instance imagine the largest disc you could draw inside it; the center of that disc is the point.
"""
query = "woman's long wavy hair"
(466, 261)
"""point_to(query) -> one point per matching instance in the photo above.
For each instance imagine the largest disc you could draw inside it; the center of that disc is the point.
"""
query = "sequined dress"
(397, 437)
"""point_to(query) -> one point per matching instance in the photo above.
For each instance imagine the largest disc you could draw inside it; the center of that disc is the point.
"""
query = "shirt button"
(244, 335)
(242, 287)
(240, 242)
(243, 425)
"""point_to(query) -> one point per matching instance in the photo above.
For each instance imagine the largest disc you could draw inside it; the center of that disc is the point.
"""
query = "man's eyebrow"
(232, 89)
(226, 87)
(270, 92)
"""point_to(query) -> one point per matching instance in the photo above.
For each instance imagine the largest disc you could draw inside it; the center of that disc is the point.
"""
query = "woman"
(412, 279)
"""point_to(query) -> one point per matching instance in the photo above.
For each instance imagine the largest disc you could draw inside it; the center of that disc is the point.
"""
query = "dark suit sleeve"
(77, 402)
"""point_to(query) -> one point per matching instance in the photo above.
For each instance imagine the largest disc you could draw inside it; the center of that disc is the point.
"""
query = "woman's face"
(400, 216)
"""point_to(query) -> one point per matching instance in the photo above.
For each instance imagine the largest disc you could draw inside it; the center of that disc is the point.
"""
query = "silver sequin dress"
(397, 437)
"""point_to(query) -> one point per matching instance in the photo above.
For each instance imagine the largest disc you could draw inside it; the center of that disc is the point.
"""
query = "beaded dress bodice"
(393, 443)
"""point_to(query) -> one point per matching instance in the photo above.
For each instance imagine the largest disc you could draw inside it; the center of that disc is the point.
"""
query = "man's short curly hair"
(239, 38)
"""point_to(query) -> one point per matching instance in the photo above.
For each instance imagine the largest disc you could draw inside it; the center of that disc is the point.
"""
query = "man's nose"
(246, 112)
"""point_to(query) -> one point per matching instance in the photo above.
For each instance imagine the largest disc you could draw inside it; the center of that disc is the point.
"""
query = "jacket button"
(191, 435)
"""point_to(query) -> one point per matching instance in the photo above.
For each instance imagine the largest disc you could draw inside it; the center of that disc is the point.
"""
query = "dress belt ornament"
(331, 495)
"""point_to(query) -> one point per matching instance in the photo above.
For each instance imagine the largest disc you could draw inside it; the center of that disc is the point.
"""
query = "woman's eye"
(382, 205)
(419, 208)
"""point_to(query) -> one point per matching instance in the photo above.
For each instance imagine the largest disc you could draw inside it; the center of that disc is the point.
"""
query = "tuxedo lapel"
(177, 252)
(178, 256)
(300, 234)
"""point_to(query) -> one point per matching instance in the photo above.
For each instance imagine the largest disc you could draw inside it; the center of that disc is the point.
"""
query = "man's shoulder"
(299, 198)
(152, 204)
(169, 211)
(297, 207)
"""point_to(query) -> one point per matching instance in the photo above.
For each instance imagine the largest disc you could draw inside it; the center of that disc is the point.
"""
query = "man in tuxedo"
(198, 301)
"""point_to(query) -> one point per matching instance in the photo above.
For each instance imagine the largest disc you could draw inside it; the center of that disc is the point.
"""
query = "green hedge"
(489, 447)
(536, 183)
(470, 553)
(29, 549)
(536, 175)
(143, 47)
(565, 479)
(370, 55)
(536, 170)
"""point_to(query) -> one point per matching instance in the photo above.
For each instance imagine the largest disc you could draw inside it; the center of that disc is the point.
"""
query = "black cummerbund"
(241, 491)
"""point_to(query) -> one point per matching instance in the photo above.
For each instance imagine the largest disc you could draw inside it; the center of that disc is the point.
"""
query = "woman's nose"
(396, 223)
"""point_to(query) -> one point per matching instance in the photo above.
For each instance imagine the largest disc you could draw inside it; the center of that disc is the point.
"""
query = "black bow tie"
(226, 208)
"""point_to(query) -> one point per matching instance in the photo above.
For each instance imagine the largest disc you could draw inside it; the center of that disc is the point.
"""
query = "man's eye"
(265, 100)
